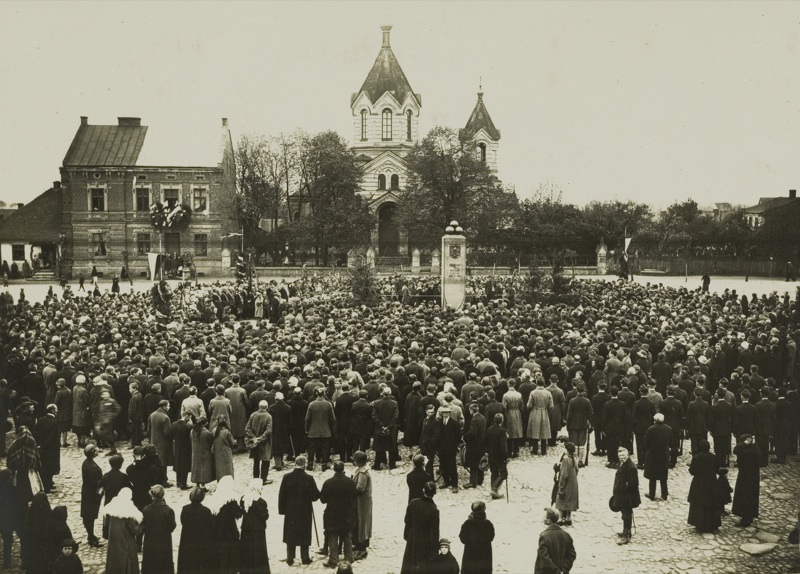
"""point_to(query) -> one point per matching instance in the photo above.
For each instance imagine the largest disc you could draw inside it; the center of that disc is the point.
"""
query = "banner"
(154, 264)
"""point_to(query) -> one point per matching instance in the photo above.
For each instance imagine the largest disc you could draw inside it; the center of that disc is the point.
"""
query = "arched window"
(363, 125)
(408, 125)
(381, 182)
(387, 124)
(395, 182)
(482, 148)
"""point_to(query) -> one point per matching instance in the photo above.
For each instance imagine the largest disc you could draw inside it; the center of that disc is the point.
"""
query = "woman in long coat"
(363, 529)
(512, 400)
(81, 410)
(477, 534)
(421, 532)
(197, 533)
(223, 450)
(567, 498)
(703, 512)
(202, 459)
(182, 448)
(238, 419)
(158, 523)
(540, 403)
(124, 522)
(746, 492)
(254, 555)
(37, 531)
(226, 510)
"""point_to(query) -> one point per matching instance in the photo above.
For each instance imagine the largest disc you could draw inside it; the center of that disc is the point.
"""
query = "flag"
(627, 244)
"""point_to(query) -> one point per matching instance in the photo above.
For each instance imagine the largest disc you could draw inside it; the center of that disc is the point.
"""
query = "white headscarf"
(121, 506)
(252, 493)
(225, 493)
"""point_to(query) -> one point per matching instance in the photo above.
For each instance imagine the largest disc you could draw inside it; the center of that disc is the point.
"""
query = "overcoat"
(540, 403)
(430, 436)
(477, 534)
(157, 525)
(626, 486)
(260, 427)
(202, 459)
(91, 475)
(363, 480)
(413, 420)
(226, 538)
(238, 398)
(255, 558)
(338, 494)
(281, 424)
(657, 441)
(556, 551)
(567, 499)
(747, 490)
(181, 446)
(703, 513)
(197, 530)
(297, 493)
(121, 555)
(160, 427)
(47, 437)
(512, 400)
(222, 448)
(475, 439)
(385, 414)
(421, 535)
(559, 406)
(218, 407)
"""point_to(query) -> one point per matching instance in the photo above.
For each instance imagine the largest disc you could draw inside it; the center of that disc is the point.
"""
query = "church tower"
(385, 127)
(480, 130)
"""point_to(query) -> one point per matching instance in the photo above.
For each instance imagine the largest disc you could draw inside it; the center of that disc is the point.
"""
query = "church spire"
(480, 120)
(386, 75)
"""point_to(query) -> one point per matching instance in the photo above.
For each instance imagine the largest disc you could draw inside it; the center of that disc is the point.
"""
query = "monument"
(454, 267)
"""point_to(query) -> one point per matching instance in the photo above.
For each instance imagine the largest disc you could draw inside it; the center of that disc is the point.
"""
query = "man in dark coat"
(158, 523)
(598, 406)
(766, 425)
(417, 478)
(338, 494)
(747, 490)
(616, 422)
(448, 446)
(556, 550)
(48, 439)
(579, 419)
(182, 449)
(297, 493)
(320, 426)
(745, 418)
(32, 386)
(281, 430)
(385, 414)
(657, 442)
(497, 449)
(421, 532)
(672, 409)
(429, 437)
(297, 429)
(477, 534)
(360, 423)
(783, 424)
(475, 439)
(643, 411)
(343, 409)
(135, 414)
(626, 493)
(721, 427)
(698, 420)
(91, 475)
(412, 416)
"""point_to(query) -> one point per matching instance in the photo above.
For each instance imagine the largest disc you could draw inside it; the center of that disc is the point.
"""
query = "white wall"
(5, 253)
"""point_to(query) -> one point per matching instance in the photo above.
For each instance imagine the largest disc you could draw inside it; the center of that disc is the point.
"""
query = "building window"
(395, 182)
(408, 125)
(98, 244)
(18, 252)
(363, 125)
(201, 244)
(97, 199)
(172, 197)
(381, 182)
(387, 125)
(199, 199)
(482, 151)
(142, 199)
(142, 243)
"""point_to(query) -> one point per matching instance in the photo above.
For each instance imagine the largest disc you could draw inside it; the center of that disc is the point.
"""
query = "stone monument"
(454, 267)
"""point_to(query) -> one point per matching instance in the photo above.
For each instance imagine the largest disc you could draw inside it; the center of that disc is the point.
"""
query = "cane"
(507, 490)
(588, 435)
(314, 520)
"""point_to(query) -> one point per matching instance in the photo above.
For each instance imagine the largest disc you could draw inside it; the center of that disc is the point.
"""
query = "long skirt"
(704, 518)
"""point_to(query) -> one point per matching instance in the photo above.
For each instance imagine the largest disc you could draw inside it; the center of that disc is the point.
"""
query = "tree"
(611, 219)
(448, 181)
(338, 219)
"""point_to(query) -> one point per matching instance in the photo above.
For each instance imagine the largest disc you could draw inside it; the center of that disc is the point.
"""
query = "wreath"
(162, 217)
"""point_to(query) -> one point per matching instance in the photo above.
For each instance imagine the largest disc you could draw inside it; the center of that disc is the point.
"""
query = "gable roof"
(36, 222)
(479, 120)
(106, 145)
(769, 203)
(386, 75)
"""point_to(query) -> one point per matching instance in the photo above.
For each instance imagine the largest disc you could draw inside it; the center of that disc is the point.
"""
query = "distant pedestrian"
(556, 552)
(477, 534)
(706, 282)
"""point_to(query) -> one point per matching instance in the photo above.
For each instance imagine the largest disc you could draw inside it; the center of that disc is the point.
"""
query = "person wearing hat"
(445, 562)
(746, 493)
(68, 562)
(657, 447)
(449, 440)
(197, 533)
(91, 477)
(556, 550)
(477, 534)
(566, 487)
(421, 532)
(81, 410)
(579, 421)
(338, 494)
(475, 439)
(158, 523)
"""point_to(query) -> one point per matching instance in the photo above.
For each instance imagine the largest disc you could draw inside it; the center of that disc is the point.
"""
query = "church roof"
(386, 75)
(36, 222)
(479, 120)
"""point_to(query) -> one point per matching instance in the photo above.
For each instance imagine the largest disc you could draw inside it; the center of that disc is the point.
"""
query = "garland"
(162, 217)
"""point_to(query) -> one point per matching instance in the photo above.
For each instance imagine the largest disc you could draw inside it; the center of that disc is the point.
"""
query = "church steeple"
(480, 129)
(386, 75)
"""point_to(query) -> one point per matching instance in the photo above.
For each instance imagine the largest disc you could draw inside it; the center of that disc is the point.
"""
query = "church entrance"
(388, 231)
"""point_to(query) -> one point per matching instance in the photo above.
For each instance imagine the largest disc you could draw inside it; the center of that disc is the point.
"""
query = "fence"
(717, 265)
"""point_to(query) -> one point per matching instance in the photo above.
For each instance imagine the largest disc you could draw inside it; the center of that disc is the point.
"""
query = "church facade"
(386, 113)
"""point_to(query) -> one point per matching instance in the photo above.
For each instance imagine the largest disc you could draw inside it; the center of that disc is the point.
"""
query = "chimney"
(793, 193)
(56, 185)
(129, 122)
(224, 122)
(386, 30)
(84, 120)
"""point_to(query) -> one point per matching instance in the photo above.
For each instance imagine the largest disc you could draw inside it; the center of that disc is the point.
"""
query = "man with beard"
(297, 493)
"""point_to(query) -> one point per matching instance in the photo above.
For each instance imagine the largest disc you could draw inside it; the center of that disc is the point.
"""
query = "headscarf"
(121, 506)
(225, 493)
(23, 454)
(252, 493)
(39, 518)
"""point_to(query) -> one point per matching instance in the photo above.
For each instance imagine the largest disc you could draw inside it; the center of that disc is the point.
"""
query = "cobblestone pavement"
(662, 542)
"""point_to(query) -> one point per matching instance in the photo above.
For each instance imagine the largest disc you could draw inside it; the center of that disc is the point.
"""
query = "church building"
(386, 113)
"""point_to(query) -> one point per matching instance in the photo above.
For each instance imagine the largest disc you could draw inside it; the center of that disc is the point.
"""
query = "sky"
(645, 101)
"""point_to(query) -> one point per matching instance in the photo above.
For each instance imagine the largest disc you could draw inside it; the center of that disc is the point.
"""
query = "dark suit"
(598, 405)
(721, 428)
(615, 425)
(475, 439)
(429, 440)
(360, 425)
(766, 427)
(343, 411)
(657, 441)
(698, 421)
(556, 552)
(579, 418)
(47, 437)
(385, 414)
(338, 494)
(746, 419)
(448, 446)
(672, 409)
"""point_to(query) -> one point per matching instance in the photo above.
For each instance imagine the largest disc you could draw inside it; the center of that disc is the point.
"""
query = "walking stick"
(314, 520)
(507, 490)
(588, 435)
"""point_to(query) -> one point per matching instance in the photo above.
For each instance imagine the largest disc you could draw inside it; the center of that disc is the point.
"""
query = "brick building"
(111, 177)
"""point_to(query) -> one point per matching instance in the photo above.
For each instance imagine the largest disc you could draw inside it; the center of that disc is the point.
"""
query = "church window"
(363, 125)
(381, 182)
(482, 149)
(387, 125)
(408, 125)
(395, 182)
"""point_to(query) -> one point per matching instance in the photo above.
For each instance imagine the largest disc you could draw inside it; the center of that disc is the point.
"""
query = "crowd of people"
(317, 381)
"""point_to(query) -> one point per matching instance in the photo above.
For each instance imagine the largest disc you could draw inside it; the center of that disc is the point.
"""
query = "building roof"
(769, 203)
(386, 75)
(36, 222)
(117, 145)
(479, 120)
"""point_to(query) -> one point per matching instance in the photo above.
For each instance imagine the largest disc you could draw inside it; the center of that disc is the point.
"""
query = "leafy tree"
(610, 220)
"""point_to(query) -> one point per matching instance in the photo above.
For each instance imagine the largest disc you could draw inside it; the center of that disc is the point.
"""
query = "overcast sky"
(649, 101)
